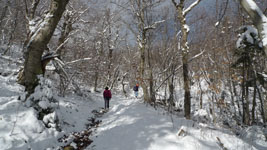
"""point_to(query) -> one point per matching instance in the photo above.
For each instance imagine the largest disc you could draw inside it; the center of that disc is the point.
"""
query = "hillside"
(129, 124)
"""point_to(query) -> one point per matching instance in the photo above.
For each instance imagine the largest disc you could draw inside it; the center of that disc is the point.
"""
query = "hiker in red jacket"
(107, 97)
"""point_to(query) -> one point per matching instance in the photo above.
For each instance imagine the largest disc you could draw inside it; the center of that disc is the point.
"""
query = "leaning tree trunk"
(38, 42)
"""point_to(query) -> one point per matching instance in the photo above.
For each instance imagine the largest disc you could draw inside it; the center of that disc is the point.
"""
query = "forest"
(200, 63)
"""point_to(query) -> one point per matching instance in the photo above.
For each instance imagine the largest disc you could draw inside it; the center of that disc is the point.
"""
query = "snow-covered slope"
(131, 125)
(21, 130)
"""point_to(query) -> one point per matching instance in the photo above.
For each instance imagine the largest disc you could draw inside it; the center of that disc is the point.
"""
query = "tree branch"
(33, 9)
(153, 26)
(191, 7)
(174, 3)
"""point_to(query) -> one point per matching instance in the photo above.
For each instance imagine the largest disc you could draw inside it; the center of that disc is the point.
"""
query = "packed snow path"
(131, 125)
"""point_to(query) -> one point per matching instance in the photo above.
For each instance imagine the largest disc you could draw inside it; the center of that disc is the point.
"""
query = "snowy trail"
(131, 125)
(128, 125)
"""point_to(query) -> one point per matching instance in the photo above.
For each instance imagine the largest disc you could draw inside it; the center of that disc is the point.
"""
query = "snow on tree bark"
(38, 42)
(182, 12)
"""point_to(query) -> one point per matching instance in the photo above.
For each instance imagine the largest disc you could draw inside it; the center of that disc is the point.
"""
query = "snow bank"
(20, 128)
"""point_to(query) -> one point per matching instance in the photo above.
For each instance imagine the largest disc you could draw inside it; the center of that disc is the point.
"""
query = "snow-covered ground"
(131, 125)
(128, 125)
(19, 127)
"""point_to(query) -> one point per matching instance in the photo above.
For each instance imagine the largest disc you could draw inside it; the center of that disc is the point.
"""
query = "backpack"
(135, 88)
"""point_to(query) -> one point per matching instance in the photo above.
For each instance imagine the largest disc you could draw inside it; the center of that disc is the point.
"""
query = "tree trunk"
(201, 94)
(115, 77)
(187, 98)
(38, 42)
(142, 74)
(247, 114)
(171, 90)
(185, 51)
(254, 100)
(110, 47)
(235, 95)
(245, 92)
(262, 105)
(182, 12)
(231, 91)
(123, 85)
(151, 80)
(96, 79)
(142, 49)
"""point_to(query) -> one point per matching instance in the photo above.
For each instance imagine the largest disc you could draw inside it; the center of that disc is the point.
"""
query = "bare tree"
(182, 12)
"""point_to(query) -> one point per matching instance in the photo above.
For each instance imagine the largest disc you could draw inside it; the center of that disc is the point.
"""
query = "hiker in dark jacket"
(136, 90)
(107, 97)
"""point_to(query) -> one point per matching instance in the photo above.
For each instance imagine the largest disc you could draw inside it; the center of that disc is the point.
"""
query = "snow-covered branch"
(78, 60)
(61, 45)
(154, 25)
(191, 7)
(196, 56)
